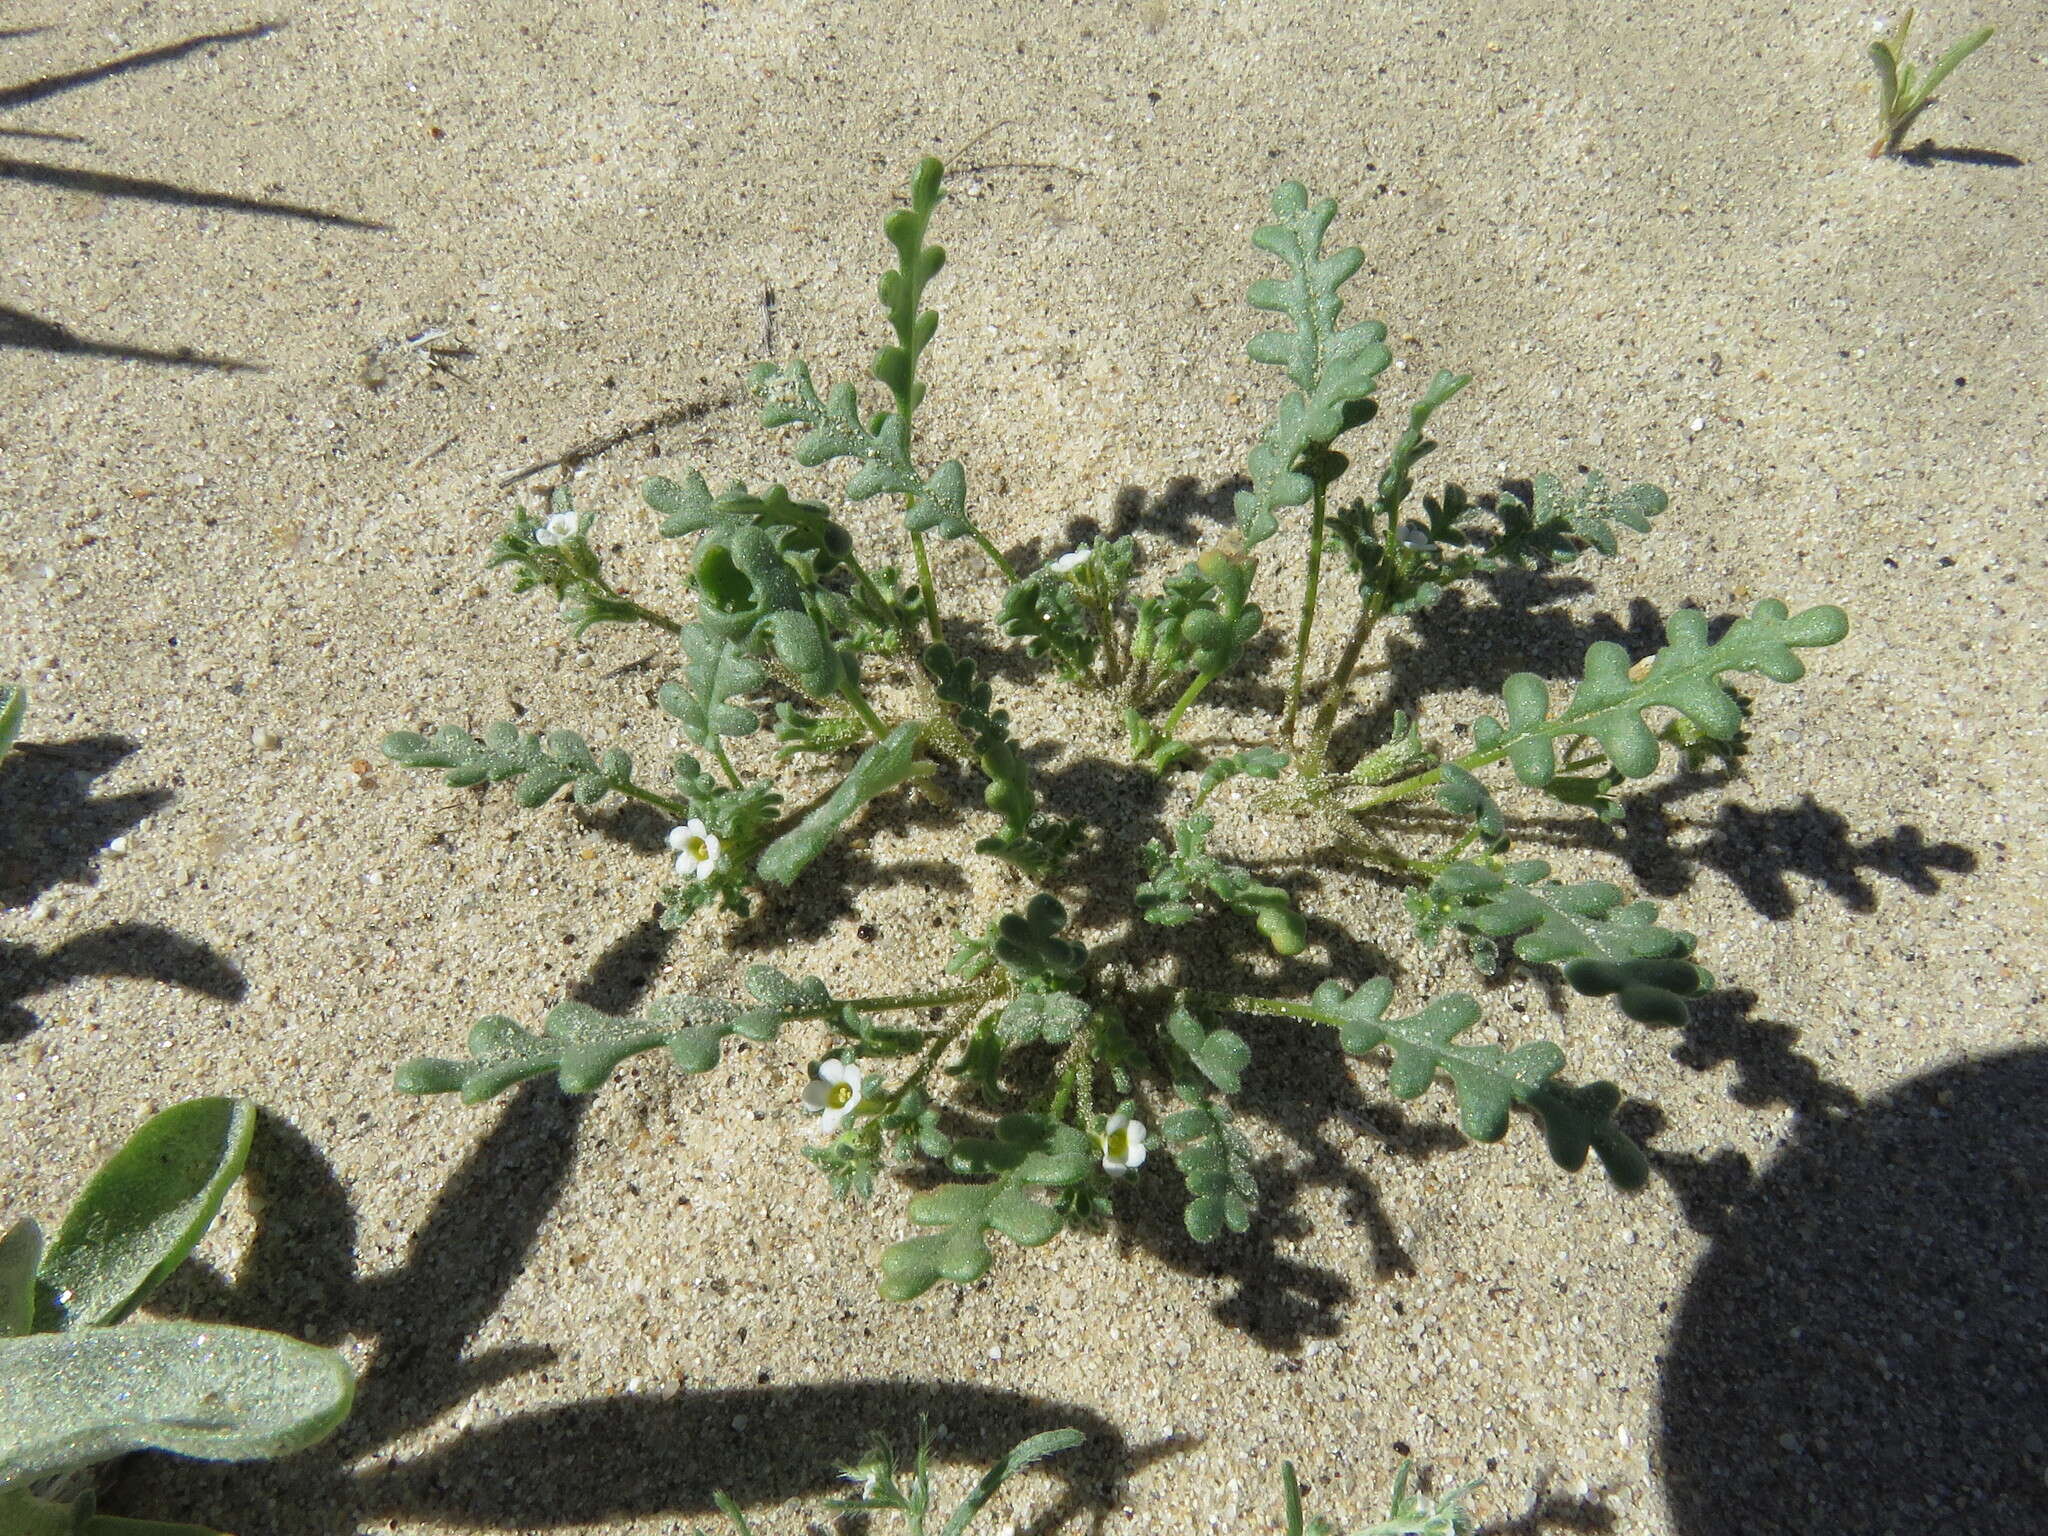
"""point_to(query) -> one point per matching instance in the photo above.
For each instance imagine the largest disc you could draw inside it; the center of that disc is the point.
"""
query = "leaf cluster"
(83, 1386)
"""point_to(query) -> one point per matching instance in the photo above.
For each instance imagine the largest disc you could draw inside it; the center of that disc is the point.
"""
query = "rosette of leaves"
(80, 1385)
(1004, 1077)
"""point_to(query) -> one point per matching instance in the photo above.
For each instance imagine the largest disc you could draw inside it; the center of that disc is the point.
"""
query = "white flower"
(558, 529)
(834, 1093)
(1123, 1145)
(1414, 536)
(1073, 560)
(696, 849)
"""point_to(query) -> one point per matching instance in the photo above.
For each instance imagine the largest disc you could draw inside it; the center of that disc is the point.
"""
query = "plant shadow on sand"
(19, 328)
(53, 833)
(633, 1454)
(1861, 1347)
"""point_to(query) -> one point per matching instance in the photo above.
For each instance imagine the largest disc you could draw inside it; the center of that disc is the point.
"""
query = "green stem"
(1308, 614)
(718, 751)
(674, 809)
(931, 592)
(648, 615)
(1009, 571)
(1340, 680)
(1194, 690)
(849, 690)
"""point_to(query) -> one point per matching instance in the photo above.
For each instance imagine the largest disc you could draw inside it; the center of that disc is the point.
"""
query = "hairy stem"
(931, 592)
(1308, 614)
(1340, 680)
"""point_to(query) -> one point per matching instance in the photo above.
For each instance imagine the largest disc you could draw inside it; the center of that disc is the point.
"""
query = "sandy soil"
(244, 511)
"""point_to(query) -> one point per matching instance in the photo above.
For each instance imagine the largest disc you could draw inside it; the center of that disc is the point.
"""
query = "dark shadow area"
(1554, 1512)
(1927, 154)
(22, 329)
(141, 951)
(577, 1463)
(19, 329)
(50, 85)
(105, 184)
(52, 830)
(1864, 1346)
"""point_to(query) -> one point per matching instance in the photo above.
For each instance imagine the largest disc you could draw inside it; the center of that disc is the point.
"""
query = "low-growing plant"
(79, 1386)
(1040, 1071)
(1409, 1513)
(910, 1499)
(1902, 93)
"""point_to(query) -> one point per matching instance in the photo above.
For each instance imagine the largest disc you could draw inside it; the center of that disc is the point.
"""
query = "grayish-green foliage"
(1030, 1075)
(883, 1488)
(80, 1386)
(1409, 1512)
(1902, 92)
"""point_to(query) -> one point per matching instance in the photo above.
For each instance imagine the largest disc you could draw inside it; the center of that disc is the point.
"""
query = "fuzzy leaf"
(886, 764)
(13, 708)
(1334, 370)
(1684, 677)
(196, 1389)
(142, 1213)
(1028, 945)
(21, 1251)
(1559, 526)
(1487, 1080)
(1049, 1016)
(1464, 795)
(1219, 1055)
(540, 765)
(1024, 1454)
(960, 1253)
(1216, 1164)
(1033, 1149)
(1255, 762)
(718, 672)
(580, 1045)
(1607, 948)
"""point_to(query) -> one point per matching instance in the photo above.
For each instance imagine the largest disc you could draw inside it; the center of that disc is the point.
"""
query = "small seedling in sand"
(911, 1500)
(78, 1386)
(1057, 1055)
(1902, 93)
(1408, 1513)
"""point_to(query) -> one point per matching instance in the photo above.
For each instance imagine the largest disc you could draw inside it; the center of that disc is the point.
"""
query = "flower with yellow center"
(696, 849)
(1123, 1145)
(834, 1093)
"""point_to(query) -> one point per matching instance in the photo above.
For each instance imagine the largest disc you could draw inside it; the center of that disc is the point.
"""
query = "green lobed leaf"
(1334, 370)
(580, 1044)
(1048, 1016)
(718, 671)
(142, 1213)
(1684, 676)
(886, 764)
(1607, 946)
(1028, 943)
(1488, 1080)
(1033, 1149)
(1218, 1055)
(196, 1389)
(960, 1252)
(540, 765)
(1463, 795)
(1216, 1164)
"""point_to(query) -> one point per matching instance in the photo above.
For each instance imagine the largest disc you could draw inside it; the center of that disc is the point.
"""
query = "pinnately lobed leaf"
(197, 1389)
(1684, 676)
(142, 1213)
